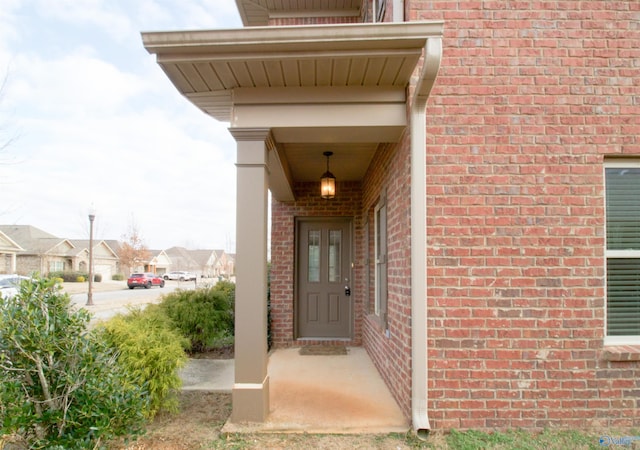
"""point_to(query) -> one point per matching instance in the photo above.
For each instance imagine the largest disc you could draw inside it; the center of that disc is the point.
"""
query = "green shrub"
(70, 276)
(80, 279)
(153, 351)
(205, 316)
(117, 277)
(60, 384)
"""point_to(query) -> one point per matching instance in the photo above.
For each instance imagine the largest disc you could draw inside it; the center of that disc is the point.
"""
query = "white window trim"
(616, 340)
(376, 283)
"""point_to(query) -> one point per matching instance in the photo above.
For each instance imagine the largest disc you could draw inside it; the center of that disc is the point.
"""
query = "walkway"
(313, 394)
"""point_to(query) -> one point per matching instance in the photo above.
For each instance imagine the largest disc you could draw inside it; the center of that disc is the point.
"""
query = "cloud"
(98, 122)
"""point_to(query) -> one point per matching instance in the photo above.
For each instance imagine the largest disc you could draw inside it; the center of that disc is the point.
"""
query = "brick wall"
(389, 175)
(309, 204)
(530, 97)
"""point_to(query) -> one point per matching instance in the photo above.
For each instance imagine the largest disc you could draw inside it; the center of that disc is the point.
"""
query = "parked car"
(179, 275)
(10, 285)
(145, 280)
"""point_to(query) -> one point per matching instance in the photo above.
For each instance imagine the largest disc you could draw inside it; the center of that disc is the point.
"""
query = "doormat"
(318, 350)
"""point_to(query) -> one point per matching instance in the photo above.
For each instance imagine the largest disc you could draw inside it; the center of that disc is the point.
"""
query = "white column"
(251, 388)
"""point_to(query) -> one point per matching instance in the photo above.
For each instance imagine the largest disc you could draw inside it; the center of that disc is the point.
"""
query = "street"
(111, 298)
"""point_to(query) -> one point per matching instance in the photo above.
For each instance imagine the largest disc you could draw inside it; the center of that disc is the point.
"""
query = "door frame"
(349, 220)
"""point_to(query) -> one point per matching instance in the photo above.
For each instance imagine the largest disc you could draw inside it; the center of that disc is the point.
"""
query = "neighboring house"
(487, 209)
(230, 264)
(183, 259)
(159, 264)
(212, 263)
(43, 252)
(9, 250)
(105, 259)
(114, 245)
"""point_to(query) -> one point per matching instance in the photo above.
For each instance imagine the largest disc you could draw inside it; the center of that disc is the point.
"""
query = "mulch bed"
(226, 352)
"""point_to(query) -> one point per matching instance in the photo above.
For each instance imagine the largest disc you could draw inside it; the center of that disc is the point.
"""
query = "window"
(313, 276)
(380, 274)
(622, 182)
(56, 266)
(380, 9)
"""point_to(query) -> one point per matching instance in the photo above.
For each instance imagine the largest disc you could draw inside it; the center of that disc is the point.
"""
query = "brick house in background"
(9, 250)
(485, 221)
(41, 252)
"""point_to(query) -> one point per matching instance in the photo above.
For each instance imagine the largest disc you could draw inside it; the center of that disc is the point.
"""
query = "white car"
(10, 285)
(179, 275)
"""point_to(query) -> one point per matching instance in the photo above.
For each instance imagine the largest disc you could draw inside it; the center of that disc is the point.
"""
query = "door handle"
(347, 291)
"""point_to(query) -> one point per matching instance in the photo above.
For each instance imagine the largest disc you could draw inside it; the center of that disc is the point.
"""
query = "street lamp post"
(92, 217)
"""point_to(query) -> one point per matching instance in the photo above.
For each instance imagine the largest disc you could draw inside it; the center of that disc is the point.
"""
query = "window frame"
(56, 265)
(611, 254)
(381, 302)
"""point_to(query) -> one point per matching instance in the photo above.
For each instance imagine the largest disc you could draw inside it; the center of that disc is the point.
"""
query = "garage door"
(104, 270)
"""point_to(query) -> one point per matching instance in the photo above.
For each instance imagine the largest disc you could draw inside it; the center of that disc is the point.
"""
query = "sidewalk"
(102, 286)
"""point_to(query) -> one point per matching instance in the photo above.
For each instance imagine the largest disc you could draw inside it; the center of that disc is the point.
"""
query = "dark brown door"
(323, 300)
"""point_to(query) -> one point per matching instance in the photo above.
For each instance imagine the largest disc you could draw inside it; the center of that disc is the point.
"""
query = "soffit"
(258, 12)
(206, 66)
(216, 69)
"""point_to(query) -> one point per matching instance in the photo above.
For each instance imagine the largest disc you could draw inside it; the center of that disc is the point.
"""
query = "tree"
(133, 252)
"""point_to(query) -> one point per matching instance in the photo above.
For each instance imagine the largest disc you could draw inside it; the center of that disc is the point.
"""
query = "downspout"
(419, 410)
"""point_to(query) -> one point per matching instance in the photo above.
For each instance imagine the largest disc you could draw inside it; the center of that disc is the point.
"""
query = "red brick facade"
(531, 97)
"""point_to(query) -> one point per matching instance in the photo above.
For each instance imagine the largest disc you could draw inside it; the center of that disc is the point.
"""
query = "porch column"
(251, 389)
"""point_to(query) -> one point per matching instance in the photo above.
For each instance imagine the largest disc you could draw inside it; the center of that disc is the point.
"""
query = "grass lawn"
(203, 414)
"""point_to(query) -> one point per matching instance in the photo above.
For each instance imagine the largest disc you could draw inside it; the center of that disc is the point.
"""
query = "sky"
(89, 122)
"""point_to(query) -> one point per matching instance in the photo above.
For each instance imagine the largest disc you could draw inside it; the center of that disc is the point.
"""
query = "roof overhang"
(259, 12)
(336, 87)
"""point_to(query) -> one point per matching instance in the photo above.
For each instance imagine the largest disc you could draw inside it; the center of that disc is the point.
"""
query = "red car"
(145, 280)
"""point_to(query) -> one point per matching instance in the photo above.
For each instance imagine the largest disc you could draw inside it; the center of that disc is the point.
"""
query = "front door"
(323, 300)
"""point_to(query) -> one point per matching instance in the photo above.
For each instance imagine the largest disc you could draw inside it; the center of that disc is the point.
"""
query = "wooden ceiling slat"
(177, 78)
(241, 73)
(209, 76)
(324, 72)
(225, 74)
(258, 73)
(390, 71)
(373, 73)
(307, 72)
(291, 73)
(357, 71)
(274, 73)
(341, 68)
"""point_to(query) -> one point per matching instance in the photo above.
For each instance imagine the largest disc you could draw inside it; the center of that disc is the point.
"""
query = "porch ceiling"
(324, 87)
(258, 12)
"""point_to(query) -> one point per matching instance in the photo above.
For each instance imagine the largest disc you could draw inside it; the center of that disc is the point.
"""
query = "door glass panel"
(314, 256)
(335, 243)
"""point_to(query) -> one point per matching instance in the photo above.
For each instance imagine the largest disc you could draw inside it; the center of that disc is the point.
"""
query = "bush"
(80, 279)
(97, 277)
(152, 350)
(60, 384)
(117, 277)
(70, 276)
(205, 316)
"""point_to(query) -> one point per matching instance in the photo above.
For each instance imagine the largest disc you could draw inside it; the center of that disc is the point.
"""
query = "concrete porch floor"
(327, 394)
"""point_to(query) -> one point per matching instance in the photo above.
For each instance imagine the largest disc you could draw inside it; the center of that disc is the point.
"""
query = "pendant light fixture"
(328, 181)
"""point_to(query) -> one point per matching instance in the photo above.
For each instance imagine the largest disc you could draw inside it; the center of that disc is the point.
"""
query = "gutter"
(419, 374)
